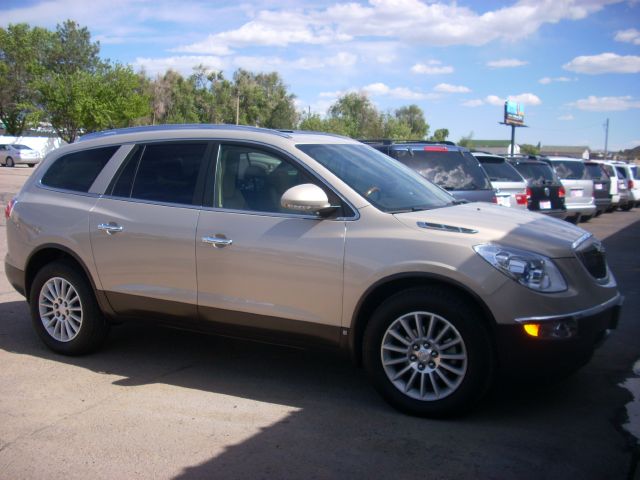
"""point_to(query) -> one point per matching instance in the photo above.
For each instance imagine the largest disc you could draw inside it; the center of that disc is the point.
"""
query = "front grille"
(593, 259)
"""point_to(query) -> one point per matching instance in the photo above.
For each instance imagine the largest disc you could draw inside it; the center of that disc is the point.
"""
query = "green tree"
(413, 116)
(529, 149)
(466, 141)
(73, 50)
(82, 102)
(358, 115)
(395, 129)
(440, 135)
(23, 56)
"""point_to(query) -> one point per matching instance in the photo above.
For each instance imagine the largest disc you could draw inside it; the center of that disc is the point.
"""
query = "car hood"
(486, 223)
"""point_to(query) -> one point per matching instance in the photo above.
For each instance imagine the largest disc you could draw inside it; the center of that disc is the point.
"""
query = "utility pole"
(606, 138)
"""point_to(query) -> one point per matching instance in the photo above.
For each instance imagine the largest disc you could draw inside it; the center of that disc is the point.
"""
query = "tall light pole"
(606, 138)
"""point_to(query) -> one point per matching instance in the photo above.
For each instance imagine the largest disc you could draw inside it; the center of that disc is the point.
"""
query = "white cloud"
(548, 80)
(181, 64)
(494, 100)
(448, 88)
(604, 63)
(606, 104)
(342, 59)
(506, 63)
(630, 36)
(432, 67)
(382, 90)
(526, 99)
(566, 118)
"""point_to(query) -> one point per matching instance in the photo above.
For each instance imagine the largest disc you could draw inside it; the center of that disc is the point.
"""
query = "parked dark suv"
(447, 165)
(545, 193)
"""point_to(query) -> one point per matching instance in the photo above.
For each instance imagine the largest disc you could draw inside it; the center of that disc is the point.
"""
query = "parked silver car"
(579, 187)
(12, 154)
(509, 185)
(301, 237)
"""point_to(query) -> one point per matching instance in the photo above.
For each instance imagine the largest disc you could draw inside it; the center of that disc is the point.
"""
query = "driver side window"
(254, 180)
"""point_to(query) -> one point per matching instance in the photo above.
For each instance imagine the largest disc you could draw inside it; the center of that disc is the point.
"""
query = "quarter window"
(77, 171)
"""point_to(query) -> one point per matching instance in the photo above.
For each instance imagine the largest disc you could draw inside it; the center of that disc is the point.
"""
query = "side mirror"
(307, 198)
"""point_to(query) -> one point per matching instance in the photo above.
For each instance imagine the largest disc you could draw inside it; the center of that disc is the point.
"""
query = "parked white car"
(619, 187)
(629, 174)
(578, 185)
(14, 154)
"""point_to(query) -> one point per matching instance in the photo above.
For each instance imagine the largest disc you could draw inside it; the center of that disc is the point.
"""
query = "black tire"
(585, 218)
(93, 327)
(31, 165)
(627, 207)
(9, 162)
(468, 323)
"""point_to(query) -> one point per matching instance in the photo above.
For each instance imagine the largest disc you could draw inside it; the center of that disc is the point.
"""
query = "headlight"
(532, 270)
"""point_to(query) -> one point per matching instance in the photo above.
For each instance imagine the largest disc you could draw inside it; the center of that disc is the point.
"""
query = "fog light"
(555, 330)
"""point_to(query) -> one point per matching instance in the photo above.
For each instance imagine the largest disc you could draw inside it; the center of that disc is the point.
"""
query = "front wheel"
(64, 311)
(428, 353)
(10, 162)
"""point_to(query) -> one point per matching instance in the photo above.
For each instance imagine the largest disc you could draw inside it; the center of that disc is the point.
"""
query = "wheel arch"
(52, 252)
(377, 293)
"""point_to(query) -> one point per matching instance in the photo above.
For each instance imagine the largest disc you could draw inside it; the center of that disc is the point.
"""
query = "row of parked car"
(562, 187)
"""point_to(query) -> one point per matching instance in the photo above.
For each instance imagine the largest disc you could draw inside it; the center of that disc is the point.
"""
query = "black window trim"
(200, 180)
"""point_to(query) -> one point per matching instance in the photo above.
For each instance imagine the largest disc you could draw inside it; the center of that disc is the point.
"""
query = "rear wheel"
(31, 165)
(64, 310)
(10, 162)
(428, 353)
(585, 218)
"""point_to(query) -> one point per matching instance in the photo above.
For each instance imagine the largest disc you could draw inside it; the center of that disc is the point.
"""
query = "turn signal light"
(561, 192)
(521, 198)
(532, 329)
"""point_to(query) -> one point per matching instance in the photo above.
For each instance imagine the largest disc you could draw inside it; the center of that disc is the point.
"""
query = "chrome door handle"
(110, 228)
(218, 242)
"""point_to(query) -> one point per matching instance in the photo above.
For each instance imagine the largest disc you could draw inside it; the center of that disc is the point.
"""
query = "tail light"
(9, 208)
(521, 198)
(494, 199)
(436, 149)
(631, 186)
(561, 192)
(528, 193)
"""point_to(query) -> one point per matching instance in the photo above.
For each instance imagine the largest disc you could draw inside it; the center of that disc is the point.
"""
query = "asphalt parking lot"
(161, 403)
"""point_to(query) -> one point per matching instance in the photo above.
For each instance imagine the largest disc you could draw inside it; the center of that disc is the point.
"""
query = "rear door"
(143, 229)
(544, 186)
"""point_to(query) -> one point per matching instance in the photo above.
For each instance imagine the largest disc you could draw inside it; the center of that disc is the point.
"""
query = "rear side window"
(163, 172)
(77, 171)
(622, 173)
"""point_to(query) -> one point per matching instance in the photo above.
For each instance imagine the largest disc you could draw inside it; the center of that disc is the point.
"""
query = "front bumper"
(520, 353)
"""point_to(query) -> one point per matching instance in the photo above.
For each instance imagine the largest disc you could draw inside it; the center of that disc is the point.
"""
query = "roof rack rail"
(312, 132)
(388, 141)
(179, 126)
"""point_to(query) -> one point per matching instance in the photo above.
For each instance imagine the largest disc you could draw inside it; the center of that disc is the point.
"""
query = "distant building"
(498, 147)
(566, 151)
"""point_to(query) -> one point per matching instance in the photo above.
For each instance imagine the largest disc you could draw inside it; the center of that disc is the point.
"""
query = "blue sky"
(572, 63)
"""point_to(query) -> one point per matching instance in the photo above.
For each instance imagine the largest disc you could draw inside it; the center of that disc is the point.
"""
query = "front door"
(260, 265)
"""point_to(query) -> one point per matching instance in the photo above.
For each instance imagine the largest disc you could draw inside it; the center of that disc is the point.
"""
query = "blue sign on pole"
(513, 113)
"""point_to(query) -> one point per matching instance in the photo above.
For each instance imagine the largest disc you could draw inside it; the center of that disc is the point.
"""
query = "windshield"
(499, 170)
(387, 184)
(569, 170)
(536, 173)
(595, 172)
(452, 170)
